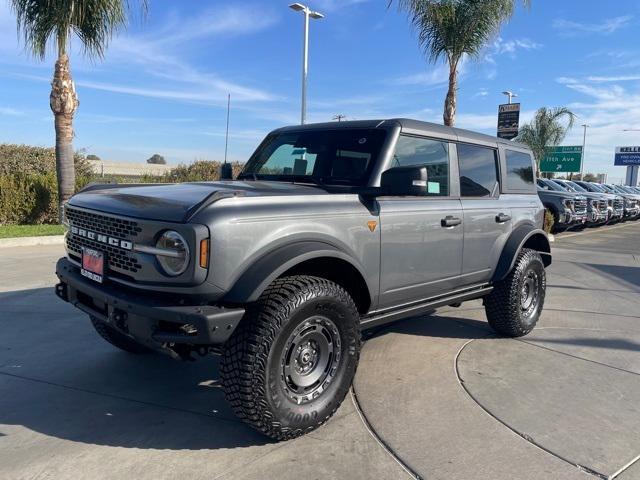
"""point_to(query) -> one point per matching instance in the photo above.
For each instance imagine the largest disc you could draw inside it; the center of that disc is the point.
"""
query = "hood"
(176, 202)
(555, 193)
(593, 195)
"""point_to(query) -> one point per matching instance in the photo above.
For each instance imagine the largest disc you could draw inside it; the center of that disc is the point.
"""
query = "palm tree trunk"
(449, 116)
(64, 102)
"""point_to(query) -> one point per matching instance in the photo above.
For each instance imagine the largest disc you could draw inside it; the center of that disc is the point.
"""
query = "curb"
(31, 241)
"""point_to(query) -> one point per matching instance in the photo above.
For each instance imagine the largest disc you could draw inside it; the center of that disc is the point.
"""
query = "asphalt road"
(439, 397)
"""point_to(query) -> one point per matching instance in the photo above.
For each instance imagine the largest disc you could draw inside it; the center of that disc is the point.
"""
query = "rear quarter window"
(519, 172)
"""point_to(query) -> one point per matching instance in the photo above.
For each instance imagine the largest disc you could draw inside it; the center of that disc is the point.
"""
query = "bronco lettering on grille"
(116, 242)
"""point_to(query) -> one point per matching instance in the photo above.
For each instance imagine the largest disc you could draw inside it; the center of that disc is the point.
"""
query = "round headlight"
(176, 259)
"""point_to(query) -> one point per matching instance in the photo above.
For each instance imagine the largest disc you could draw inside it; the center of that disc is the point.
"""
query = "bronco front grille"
(118, 259)
(111, 226)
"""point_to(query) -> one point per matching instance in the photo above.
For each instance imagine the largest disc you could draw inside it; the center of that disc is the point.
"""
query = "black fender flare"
(520, 236)
(255, 279)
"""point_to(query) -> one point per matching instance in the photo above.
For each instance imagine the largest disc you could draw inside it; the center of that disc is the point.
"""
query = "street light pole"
(584, 143)
(308, 13)
(510, 95)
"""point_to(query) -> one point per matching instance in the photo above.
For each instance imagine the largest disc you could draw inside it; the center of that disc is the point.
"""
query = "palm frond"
(452, 28)
(546, 129)
(41, 22)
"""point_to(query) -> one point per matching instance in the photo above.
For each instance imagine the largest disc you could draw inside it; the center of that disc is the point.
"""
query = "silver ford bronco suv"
(329, 230)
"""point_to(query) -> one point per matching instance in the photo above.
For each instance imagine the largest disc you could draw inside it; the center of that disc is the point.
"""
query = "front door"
(421, 251)
(487, 218)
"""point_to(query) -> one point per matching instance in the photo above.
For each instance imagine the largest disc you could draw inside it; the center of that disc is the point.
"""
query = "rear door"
(421, 256)
(486, 218)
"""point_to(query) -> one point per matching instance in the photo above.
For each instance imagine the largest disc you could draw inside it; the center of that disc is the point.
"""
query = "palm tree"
(94, 23)
(451, 29)
(546, 129)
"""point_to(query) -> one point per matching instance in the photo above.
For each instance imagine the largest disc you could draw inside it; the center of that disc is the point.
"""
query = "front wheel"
(514, 306)
(290, 363)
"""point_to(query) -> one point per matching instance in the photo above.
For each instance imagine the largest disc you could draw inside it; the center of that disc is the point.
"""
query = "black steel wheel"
(290, 363)
(515, 304)
(311, 356)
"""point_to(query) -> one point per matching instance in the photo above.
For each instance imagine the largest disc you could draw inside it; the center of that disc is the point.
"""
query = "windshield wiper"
(244, 176)
(309, 179)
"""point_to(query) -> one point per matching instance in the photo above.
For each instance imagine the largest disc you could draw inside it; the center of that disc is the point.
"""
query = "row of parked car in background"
(575, 204)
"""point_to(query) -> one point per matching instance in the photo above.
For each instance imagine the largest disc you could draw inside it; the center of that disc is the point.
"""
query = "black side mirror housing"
(405, 181)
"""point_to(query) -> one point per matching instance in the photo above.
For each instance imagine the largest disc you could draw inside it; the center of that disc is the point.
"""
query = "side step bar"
(375, 320)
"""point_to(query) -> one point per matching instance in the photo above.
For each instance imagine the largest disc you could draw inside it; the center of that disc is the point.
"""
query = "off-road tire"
(117, 339)
(504, 305)
(252, 368)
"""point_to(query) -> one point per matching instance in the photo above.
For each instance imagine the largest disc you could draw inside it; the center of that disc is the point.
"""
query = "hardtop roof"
(409, 125)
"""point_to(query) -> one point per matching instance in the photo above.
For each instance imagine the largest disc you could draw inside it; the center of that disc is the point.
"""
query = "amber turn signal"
(204, 253)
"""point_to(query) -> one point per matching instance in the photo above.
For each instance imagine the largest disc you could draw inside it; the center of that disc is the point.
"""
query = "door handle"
(450, 221)
(502, 217)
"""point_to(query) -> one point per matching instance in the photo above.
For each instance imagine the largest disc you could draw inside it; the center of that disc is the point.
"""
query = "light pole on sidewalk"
(584, 143)
(298, 7)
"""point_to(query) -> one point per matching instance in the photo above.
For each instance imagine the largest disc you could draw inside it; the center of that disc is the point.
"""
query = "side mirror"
(405, 181)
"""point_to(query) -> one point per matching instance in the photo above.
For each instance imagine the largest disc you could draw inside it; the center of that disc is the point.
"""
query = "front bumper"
(632, 212)
(598, 216)
(573, 218)
(155, 320)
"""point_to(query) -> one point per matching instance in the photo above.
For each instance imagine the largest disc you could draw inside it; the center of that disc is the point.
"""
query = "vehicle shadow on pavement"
(59, 378)
(629, 275)
(436, 325)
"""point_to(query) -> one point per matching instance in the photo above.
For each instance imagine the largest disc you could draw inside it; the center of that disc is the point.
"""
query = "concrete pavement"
(445, 396)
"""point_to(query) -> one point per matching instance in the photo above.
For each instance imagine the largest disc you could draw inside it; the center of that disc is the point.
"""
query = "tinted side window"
(519, 171)
(478, 170)
(432, 154)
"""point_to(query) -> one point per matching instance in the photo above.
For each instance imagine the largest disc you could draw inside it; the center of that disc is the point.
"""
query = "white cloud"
(11, 112)
(231, 20)
(608, 110)
(332, 5)
(483, 92)
(162, 56)
(437, 75)
(605, 27)
(509, 47)
(620, 78)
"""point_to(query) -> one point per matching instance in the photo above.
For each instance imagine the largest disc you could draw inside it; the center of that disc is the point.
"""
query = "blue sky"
(162, 87)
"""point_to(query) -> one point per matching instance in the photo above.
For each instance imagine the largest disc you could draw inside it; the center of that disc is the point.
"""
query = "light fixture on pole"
(510, 95)
(298, 7)
(584, 143)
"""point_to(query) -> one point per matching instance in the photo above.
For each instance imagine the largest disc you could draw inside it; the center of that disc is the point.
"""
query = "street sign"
(508, 120)
(626, 156)
(561, 159)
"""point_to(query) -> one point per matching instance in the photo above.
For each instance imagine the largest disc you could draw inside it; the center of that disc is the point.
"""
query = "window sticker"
(433, 187)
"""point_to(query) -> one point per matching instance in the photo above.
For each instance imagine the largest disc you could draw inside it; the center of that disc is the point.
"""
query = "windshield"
(597, 188)
(564, 185)
(576, 187)
(616, 189)
(341, 156)
(549, 185)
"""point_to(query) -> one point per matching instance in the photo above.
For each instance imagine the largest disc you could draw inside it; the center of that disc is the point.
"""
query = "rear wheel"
(117, 339)
(290, 362)
(514, 306)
